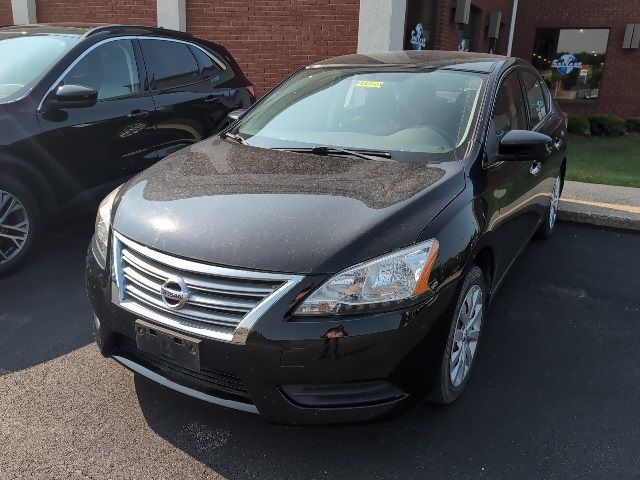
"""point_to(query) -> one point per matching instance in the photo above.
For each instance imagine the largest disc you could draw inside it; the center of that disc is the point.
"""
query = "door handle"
(212, 99)
(138, 114)
(558, 144)
(535, 168)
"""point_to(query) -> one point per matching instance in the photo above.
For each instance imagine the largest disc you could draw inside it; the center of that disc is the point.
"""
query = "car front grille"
(221, 303)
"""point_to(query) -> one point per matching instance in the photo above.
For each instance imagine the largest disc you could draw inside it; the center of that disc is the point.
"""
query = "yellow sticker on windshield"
(368, 84)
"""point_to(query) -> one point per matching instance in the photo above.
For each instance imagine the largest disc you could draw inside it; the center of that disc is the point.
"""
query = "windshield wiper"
(235, 137)
(327, 150)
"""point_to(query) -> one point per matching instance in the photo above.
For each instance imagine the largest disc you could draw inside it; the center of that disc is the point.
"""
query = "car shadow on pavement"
(44, 311)
(242, 446)
(529, 410)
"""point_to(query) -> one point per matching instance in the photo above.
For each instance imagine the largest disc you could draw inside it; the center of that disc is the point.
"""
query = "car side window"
(209, 68)
(110, 69)
(170, 64)
(508, 111)
(535, 95)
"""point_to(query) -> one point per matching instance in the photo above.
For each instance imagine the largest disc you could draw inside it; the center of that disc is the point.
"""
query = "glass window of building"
(571, 61)
(420, 25)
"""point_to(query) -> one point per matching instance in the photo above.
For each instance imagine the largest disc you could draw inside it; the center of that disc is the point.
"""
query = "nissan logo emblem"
(175, 293)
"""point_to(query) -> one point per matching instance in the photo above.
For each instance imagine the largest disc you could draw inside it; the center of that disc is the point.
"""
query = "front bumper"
(294, 372)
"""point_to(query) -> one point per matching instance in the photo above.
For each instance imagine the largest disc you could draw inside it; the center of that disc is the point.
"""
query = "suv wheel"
(462, 342)
(19, 224)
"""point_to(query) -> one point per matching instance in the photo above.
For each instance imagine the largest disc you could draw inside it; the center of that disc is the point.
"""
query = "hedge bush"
(633, 124)
(579, 125)
(607, 126)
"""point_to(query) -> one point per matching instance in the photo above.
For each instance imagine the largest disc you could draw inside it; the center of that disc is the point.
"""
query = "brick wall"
(272, 38)
(6, 15)
(448, 34)
(619, 85)
(137, 12)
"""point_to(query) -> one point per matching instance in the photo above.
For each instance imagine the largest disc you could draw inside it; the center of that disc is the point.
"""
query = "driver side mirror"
(235, 114)
(523, 145)
(74, 96)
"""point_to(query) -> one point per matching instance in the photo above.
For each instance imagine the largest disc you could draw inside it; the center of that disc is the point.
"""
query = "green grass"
(610, 161)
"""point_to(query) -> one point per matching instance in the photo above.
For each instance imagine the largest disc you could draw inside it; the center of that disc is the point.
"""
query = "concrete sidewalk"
(602, 205)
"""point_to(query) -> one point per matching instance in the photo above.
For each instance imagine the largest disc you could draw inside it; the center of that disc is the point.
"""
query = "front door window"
(508, 111)
(110, 69)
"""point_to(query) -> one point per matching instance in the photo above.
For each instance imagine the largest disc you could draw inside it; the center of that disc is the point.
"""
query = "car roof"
(477, 62)
(74, 29)
(87, 29)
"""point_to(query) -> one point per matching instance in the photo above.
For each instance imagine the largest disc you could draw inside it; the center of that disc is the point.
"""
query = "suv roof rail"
(135, 29)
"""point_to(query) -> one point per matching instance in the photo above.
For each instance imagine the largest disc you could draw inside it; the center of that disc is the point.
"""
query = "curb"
(600, 220)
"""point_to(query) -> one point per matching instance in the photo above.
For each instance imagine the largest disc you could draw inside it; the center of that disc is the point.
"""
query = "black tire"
(32, 209)
(546, 228)
(444, 391)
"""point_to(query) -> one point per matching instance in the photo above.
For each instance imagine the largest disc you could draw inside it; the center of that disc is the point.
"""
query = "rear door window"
(208, 68)
(169, 64)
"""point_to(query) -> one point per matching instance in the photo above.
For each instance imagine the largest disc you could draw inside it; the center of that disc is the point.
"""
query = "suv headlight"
(103, 223)
(383, 283)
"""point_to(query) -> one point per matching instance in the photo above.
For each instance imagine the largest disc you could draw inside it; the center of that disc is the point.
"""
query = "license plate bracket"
(173, 346)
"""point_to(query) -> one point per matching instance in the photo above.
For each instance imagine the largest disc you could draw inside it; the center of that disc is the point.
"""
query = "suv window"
(508, 112)
(170, 64)
(536, 96)
(110, 69)
(208, 66)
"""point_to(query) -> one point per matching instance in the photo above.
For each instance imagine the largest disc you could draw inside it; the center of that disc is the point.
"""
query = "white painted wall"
(512, 28)
(381, 25)
(24, 11)
(172, 14)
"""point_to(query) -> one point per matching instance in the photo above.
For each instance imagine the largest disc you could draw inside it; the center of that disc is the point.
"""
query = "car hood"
(229, 204)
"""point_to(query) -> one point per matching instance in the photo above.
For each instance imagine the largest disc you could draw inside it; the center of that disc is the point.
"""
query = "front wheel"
(19, 223)
(548, 225)
(462, 342)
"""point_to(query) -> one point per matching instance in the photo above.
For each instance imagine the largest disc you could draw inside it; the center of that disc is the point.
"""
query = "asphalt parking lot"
(555, 393)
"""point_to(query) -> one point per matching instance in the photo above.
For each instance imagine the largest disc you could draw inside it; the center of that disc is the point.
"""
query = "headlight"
(379, 284)
(103, 223)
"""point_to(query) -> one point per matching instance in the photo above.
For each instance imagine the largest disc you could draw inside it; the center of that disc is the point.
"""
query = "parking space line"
(612, 206)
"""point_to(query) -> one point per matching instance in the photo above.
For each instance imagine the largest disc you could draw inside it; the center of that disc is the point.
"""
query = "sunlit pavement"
(555, 393)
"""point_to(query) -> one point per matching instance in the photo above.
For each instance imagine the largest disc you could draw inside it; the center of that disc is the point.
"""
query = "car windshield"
(26, 59)
(410, 110)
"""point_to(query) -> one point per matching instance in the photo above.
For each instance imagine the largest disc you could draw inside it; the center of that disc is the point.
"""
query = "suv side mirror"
(75, 96)
(235, 115)
(523, 145)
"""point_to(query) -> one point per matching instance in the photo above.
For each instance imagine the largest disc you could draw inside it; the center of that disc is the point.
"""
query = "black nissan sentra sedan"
(330, 257)
(84, 107)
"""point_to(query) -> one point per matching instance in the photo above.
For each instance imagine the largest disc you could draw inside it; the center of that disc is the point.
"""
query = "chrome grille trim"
(136, 367)
(224, 303)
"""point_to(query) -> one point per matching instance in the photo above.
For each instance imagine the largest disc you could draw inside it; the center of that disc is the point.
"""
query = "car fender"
(458, 229)
(15, 167)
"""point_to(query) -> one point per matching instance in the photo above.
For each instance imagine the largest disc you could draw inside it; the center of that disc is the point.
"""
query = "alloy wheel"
(555, 200)
(14, 226)
(466, 335)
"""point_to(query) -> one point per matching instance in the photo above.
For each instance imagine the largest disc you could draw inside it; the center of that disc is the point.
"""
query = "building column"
(381, 25)
(24, 11)
(172, 14)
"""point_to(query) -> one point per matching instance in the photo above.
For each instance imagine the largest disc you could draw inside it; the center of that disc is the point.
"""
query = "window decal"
(369, 84)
